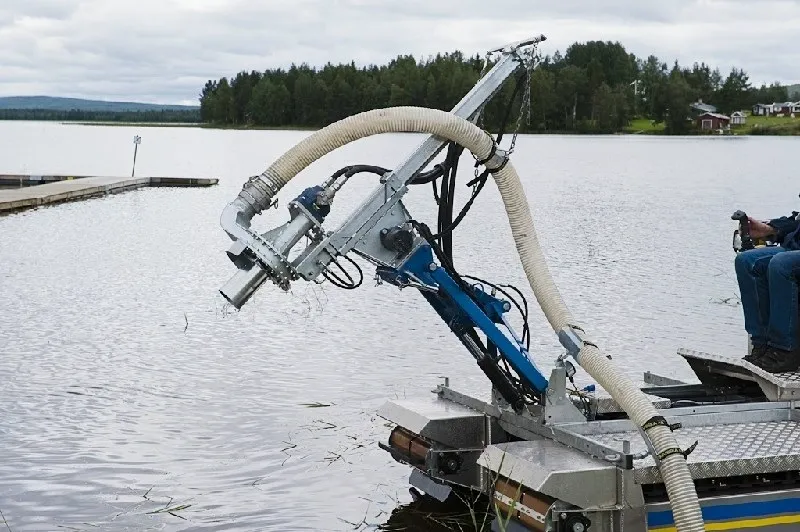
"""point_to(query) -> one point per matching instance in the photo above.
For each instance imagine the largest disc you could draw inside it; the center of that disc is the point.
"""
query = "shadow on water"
(461, 511)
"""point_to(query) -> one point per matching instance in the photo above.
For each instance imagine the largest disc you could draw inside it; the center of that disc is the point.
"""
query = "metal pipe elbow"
(235, 220)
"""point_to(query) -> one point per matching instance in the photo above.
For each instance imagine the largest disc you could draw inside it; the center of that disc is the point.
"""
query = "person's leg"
(783, 272)
(784, 353)
(751, 273)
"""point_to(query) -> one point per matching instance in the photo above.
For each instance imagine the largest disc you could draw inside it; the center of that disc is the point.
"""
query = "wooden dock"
(57, 189)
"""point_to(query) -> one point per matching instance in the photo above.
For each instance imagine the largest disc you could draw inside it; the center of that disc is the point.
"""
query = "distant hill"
(794, 90)
(52, 103)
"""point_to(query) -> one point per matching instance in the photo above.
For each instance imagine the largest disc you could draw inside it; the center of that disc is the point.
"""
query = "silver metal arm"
(263, 257)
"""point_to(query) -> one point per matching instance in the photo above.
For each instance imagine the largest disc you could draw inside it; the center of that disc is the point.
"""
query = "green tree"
(733, 95)
(700, 80)
(241, 91)
(611, 108)
(270, 104)
(222, 103)
(571, 82)
(206, 103)
(588, 86)
(544, 99)
(398, 96)
(679, 95)
(653, 85)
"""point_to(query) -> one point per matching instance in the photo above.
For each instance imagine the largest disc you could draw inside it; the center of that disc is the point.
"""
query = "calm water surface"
(131, 398)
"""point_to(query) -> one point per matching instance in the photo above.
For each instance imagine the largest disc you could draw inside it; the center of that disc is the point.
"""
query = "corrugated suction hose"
(674, 470)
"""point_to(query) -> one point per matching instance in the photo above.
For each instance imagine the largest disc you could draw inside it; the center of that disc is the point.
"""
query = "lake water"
(127, 388)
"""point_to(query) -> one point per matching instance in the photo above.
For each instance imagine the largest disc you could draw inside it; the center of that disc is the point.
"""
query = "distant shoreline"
(199, 125)
(636, 127)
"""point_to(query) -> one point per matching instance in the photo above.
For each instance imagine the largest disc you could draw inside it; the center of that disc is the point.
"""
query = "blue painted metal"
(308, 199)
(459, 310)
(729, 512)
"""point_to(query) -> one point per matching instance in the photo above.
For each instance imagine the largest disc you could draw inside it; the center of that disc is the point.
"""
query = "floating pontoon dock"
(57, 189)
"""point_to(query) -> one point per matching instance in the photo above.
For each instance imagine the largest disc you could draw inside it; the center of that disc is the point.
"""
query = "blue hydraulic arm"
(465, 308)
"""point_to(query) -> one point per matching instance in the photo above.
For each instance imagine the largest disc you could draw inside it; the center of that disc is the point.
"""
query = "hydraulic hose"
(673, 467)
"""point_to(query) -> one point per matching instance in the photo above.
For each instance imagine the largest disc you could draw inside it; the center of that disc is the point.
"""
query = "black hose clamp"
(660, 421)
(572, 339)
(677, 450)
(488, 158)
(494, 153)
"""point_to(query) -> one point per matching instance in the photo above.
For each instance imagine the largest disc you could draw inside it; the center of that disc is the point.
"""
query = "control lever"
(744, 231)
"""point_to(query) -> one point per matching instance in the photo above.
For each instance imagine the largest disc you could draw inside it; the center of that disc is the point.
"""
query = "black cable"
(584, 401)
(358, 269)
(504, 123)
(426, 234)
(338, 282)
(420, 178)
(430, 176)
(350, 171)
(523, 313)
(526, 329)
(446, 198)
(481, 182)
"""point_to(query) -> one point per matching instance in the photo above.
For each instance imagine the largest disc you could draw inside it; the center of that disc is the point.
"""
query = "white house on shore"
(762, 109)
(776, 109)
(738, 118)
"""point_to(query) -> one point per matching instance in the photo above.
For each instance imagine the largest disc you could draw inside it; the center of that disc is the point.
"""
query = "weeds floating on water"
(171, 511)
(316, 404)
(363, 522)
(5, 522)
(733, 301)
(167, 509)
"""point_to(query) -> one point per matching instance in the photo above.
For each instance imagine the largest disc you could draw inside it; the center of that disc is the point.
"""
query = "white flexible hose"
(674, 470)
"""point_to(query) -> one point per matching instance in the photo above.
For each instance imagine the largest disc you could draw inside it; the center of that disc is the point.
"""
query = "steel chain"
(529, 59)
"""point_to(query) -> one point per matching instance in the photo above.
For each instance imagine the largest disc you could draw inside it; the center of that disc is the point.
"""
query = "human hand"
(759, 229)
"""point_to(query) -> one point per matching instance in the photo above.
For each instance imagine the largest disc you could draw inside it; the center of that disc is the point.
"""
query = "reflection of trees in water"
(461, 512)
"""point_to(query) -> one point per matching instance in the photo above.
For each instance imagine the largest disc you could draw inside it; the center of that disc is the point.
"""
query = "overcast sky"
(164, 50)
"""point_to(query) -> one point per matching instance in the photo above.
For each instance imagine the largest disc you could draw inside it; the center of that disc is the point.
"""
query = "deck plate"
(717, 370)
(724, 450)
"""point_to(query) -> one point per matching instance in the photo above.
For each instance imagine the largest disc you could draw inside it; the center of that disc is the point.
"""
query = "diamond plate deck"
(724, 450)
(716, 369)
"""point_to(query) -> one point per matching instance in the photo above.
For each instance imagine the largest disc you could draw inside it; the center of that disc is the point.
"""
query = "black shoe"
(758, 352)
(779, 361)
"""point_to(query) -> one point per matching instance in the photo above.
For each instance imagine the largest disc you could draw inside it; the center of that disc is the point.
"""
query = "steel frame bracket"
(529, 426)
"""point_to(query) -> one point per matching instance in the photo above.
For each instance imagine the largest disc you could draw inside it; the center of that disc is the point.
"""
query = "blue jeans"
(768, 286)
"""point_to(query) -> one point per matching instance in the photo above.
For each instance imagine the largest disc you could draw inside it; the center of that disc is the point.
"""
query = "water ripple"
(132, 399)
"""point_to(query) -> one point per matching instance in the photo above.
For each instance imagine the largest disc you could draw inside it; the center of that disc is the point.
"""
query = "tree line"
(595, 86)
(75, 115)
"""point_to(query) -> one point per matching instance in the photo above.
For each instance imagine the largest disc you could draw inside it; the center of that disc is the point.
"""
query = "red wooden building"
(713, 121)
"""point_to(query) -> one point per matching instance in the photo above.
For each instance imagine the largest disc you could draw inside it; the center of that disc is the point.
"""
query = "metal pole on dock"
(136, 141)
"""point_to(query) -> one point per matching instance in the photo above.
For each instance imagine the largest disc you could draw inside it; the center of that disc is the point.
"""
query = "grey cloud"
(516, 9)
(164, 50)
(49, 9)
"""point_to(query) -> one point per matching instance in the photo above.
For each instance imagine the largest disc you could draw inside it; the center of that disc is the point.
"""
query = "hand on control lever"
(759, 229)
